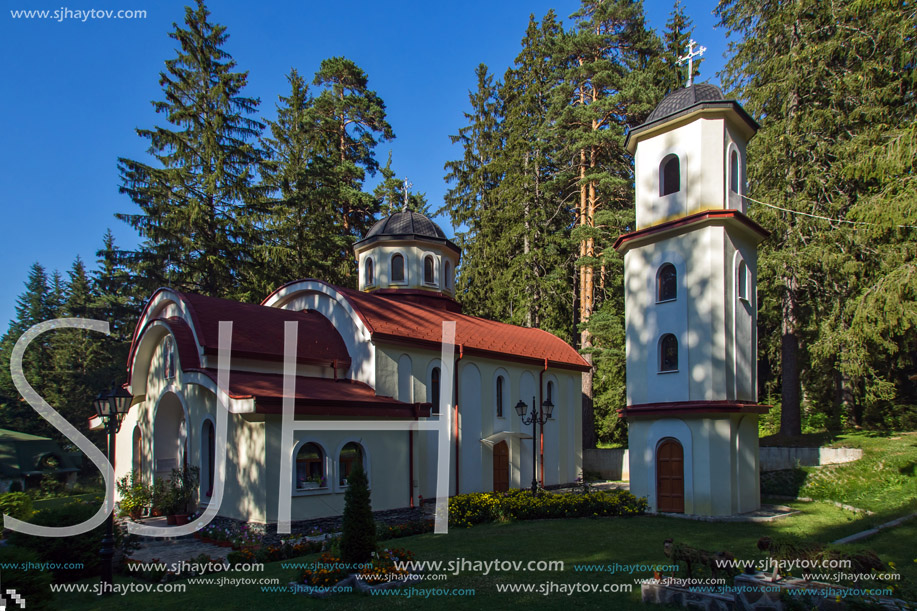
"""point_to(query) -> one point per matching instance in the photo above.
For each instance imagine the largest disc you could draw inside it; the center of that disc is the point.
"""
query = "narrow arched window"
(742, 280)
(668, 353)
(137, 462)
(669, 175)
(666, 283)
(499, 396)
(168, 349)
(428, 276)
(447, 275)
(209, 452)
(397, 268)
(734, 172)
(351, 456)
(434, 389)
(310, 467)
(368, 277)
(550, 394)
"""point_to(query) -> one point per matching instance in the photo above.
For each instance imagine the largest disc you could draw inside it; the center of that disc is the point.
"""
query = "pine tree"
(472, 199)
(678, 32)
(613, 87)
(394, 196)
(347, 121)
(824, 77)
(36, 304)
(196, 204)
(358, 533)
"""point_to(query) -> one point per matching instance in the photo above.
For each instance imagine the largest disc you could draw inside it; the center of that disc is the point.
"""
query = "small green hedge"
(480, 507)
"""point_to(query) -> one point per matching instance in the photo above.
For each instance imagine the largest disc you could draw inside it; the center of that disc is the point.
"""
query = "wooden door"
(501, 467)
(670, 477)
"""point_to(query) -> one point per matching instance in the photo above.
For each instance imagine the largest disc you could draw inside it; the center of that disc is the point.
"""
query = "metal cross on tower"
(407, 185)
(690, 59)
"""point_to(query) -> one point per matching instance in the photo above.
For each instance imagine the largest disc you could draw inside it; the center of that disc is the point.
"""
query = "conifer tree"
(677, 34)
(195, 202)
(394, 196)
(358, 536)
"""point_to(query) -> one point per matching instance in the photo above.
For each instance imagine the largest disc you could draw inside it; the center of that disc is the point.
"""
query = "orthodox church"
(371, 354)
(690, 269)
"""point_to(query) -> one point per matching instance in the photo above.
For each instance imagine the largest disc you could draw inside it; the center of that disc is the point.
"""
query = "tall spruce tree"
(195, 203)
(394, 194)
(678, 30)
(472, 200)
(613, 85)
(803, 66)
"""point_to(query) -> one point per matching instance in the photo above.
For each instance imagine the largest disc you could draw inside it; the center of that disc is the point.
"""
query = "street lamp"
(534, 419)
(111, 407)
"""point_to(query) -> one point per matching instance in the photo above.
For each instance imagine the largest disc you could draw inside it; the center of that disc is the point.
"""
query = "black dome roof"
(685, 98)
(408, 223)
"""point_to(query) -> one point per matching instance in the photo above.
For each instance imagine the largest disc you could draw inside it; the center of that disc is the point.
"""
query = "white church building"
(371, 354)
(690, 269)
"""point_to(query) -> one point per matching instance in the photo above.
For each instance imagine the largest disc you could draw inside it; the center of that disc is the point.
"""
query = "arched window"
(368, 277)
(668, 353)
(351, 456)
(734, 171)
(168, 353)
(550, 395)
(742, 280)
(447, 275)
(434, 389)
(397, 268)
(428, 276)
(208, 456)
(500, 396)
(137, 463)
(666, 283)
(669, 175)
(310, 467)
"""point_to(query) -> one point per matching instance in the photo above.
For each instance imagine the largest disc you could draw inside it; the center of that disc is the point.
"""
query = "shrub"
(358, 532)
(16, 504)
(480, 507)
(34, 586)
(134, 495)
(82, 548)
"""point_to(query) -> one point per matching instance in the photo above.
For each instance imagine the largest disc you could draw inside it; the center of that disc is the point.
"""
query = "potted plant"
(184, 483)
(134, 495)
(159, 499)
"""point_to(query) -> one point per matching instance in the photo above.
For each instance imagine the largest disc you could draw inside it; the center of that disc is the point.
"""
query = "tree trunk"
(790, 418)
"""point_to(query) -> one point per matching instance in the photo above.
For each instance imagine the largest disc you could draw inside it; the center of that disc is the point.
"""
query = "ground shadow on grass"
(786, 482)
(807, 440)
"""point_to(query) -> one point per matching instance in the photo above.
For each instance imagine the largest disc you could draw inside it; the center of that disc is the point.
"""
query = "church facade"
(690, 269)
(371, 354)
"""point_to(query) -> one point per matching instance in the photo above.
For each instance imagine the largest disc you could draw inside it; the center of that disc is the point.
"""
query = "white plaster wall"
(700, 145)
(414, 254)
(696, 317)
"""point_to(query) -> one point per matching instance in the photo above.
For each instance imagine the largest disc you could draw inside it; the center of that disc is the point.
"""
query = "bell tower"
(690, 308)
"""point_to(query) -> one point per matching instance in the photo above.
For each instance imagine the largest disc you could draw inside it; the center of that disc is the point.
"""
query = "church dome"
(405, 225)
(685, 98)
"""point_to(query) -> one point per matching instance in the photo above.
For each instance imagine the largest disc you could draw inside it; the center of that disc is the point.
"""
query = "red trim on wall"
(691, 219)
(693, 407)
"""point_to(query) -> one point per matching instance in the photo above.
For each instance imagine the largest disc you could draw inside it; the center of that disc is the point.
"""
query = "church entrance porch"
(169, 431)
(670, 477)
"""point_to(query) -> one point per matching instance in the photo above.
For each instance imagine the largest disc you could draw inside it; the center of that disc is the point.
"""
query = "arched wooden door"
(670, 477)
(501, 467)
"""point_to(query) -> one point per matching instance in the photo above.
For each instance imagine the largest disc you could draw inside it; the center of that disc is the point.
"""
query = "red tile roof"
(391, 319)
(316, 396)
(257, 331)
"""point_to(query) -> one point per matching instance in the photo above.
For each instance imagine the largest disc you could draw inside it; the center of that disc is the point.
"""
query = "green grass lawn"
(884, 481)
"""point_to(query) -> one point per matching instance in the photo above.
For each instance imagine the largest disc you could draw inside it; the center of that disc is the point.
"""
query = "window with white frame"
(742, 281)
(668, 353)
(398, 268)
(669, 175)
(351, 455)
(168, 353)
(310, 467)
(368, 275)
(666, 283)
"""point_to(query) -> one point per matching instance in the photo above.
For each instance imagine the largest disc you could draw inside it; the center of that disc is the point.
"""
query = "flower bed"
(329, 571)
(480, 507)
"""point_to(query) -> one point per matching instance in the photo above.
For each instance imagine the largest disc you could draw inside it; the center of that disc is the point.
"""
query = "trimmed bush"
(480, 507)
(358, 532)
(16, 504)
(33, 585)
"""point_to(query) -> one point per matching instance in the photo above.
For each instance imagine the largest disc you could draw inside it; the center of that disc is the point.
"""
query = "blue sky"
(76, 91)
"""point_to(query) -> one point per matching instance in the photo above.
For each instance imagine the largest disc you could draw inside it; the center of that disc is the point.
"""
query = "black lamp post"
(111, 407)
(535, 418)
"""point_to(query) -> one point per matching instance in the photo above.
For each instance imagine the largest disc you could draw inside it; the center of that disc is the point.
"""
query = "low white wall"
(776, 459)
(614, 464)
